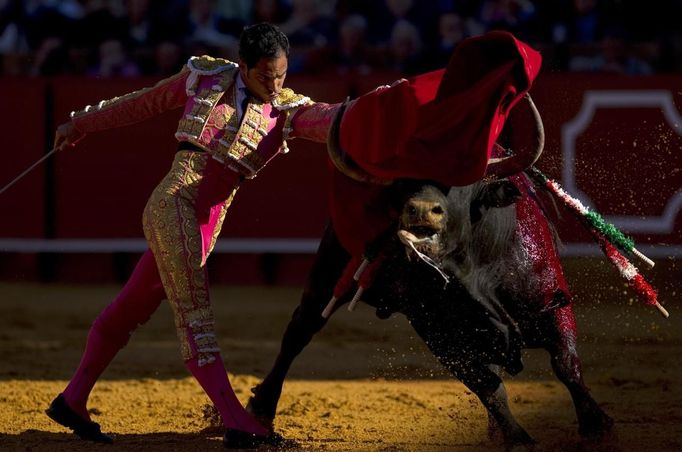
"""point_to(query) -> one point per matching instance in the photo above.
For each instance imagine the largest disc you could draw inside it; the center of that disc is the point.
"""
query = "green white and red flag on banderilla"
(610, 239)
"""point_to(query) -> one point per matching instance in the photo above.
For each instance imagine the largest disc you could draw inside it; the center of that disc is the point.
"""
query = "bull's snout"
(423, 223)
(423, 217)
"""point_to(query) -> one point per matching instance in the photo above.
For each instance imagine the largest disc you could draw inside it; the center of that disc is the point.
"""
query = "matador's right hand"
(66, 136)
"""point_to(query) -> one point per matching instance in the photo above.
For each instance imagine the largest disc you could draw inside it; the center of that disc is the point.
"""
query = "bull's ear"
(501, 193)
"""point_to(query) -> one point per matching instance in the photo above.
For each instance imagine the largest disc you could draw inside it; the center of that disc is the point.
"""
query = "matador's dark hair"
(262, 41)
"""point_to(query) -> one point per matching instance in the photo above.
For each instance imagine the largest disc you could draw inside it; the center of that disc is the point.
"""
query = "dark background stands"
(127, 38)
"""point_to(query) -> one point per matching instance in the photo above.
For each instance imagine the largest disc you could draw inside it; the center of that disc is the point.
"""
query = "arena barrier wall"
(612, 141)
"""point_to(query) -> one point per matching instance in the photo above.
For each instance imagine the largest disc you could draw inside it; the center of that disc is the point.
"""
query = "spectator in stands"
(139, 23)
(205, 26)
(12, 36)
(102, 21)
(51, 58)
(388, 13)
(139, 36)
(234, 15)
(14, 48)
(567, 28)
(73, 9)
(170, 20)
(310, 32)
(586, 24)
(271, 11)
(114, 61)
(168, 58)
(613, 55)
(451, 30)
(510, 15)
(352, 50)
(405, 49)
(45, 21)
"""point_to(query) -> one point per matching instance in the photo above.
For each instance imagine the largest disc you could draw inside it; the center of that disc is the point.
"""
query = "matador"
(237, 117)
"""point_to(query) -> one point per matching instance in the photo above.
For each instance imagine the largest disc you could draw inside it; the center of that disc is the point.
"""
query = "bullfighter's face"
(266, 78)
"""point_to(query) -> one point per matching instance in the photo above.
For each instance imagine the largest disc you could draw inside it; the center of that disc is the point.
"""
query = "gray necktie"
(245, 102)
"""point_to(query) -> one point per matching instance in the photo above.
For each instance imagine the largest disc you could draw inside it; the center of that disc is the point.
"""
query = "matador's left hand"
(66, 136)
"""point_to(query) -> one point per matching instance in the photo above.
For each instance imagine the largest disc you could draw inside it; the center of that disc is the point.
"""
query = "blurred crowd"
(127, 38)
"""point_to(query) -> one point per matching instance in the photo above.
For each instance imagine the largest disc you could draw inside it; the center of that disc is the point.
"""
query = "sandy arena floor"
(363, 384)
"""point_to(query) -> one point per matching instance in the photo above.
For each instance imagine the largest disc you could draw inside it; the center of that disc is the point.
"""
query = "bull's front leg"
(489, 388)
(435, 327)
(593, 422)
(306, 321)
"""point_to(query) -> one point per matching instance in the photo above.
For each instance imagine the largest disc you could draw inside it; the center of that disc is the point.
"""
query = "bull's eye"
(438, 210)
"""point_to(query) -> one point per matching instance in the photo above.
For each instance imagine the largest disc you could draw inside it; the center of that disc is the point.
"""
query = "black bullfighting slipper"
(239, 439)
(62, 414)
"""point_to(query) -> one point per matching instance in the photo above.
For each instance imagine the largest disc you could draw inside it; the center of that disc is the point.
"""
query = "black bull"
(472, 334)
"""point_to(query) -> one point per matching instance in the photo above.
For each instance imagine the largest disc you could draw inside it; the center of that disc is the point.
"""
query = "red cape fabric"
(439, 126)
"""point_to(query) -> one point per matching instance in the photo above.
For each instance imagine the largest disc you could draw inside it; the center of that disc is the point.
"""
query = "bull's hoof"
(517, 439)
(597, 427)
(263, 417)
(512, 438)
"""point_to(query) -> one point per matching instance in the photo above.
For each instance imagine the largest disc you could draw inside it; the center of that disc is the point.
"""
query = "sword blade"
(28, 170)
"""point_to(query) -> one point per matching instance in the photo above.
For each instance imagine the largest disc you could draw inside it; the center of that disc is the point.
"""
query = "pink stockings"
(111, 331)
(213, 378)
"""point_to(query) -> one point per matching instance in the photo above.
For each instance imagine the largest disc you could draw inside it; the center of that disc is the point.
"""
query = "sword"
(28, 170)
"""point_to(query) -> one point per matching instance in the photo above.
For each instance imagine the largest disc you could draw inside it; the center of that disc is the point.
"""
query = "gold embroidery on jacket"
(192, 124)
(207, 65)
(105, 104)
(238, 144)
(231, 127)
(244, 148)
(288, 99)
(288, 102)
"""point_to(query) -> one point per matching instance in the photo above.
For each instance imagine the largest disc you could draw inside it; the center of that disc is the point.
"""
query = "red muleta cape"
(439, 126)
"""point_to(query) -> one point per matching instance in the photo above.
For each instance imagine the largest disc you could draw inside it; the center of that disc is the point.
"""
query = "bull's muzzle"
(423, 248)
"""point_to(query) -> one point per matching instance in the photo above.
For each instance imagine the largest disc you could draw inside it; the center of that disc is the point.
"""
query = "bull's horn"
(499, 168)
(341, 160)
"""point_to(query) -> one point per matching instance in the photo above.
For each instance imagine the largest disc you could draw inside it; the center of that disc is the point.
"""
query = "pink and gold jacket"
(206, 88)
